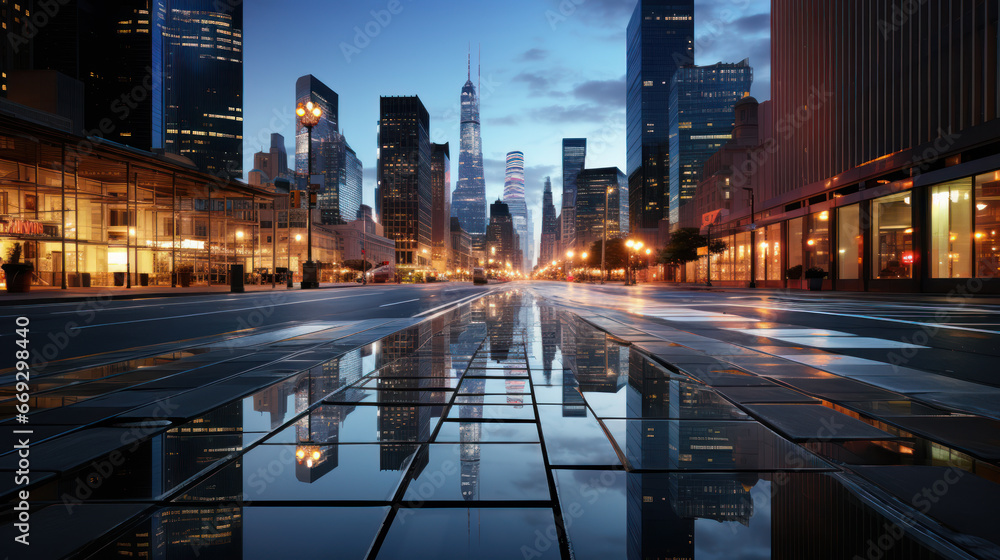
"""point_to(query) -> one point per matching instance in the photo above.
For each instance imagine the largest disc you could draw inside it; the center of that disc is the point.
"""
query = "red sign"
(21, 227)
(908, 257)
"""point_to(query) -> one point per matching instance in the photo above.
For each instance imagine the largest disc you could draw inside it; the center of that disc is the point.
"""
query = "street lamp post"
(587, 268)
(604, 239)
(753, 242)
(709, 283)
(569, 262)
(309, 115)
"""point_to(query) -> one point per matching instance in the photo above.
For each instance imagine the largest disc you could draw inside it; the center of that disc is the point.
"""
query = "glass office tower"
(660, 38)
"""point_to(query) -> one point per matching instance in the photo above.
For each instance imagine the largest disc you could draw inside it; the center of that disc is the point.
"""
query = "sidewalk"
(42, 295)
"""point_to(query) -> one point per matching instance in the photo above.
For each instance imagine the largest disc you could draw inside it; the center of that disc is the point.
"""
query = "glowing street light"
(308, 115)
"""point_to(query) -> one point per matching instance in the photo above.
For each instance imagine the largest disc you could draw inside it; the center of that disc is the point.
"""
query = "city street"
(73, 329)
(540, 420)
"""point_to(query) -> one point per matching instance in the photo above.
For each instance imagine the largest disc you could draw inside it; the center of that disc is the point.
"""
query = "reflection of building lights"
(131, 231)
(906, 200)
(981, 206)
(908, 230)
(239, 235)
(979, 235)
(811, 242)
(842, 251)
(953, 237)
(300, 454)
(824, 215)
(298, 237)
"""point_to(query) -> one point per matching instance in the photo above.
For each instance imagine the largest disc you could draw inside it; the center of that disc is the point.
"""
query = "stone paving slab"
(804, 422)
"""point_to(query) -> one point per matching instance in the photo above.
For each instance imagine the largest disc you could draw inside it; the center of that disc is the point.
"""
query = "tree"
(616, 255)
(684, 245)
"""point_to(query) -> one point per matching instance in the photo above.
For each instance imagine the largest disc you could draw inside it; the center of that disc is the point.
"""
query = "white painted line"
(206, 313)
(399, 302)
(452, 304)
(855, 316)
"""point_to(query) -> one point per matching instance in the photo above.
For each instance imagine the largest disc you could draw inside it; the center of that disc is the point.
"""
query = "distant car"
(478, 276)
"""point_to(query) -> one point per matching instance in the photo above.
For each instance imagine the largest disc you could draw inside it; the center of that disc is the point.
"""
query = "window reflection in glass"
(892, 236)
(985, 239)
(951, 229)
(849, 242)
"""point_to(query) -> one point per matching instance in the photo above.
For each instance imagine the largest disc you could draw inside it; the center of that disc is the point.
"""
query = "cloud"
(602, 92)
(509, 120)
(532, 55)
(536, 81)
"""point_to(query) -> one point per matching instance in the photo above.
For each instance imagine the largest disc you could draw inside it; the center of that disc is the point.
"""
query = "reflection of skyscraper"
(469, 201)
(399, 419)
(654, 528)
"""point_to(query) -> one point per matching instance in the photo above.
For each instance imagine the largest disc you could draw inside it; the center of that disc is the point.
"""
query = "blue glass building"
(660, 39)
(702, 99)
(468, 203)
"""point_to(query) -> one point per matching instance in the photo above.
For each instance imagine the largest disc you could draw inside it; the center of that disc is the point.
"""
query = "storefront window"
(773, 253)
(951, 229)
(795, 243)
(849, 242)
(818, 241)
(892, 236)
(986, 240)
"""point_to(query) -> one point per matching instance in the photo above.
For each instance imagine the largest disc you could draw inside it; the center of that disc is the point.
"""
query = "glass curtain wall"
(850, 242)
(892, 236)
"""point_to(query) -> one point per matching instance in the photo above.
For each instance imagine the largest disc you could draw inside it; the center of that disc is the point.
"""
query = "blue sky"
(550, 69)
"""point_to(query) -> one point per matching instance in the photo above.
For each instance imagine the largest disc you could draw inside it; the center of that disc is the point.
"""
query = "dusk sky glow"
(550, 70)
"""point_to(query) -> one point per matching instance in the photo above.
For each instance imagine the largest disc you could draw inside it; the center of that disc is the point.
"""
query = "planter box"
(815, 284)
(18, 277)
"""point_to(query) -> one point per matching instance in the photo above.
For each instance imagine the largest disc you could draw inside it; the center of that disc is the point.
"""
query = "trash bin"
(84, 279)
(73, 280)
(143, 278)
(119, 279)
(236, 278)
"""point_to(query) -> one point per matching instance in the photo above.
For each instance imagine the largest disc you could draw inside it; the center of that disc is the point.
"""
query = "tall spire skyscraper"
(550, 226)
(513, 196)
(468, 204)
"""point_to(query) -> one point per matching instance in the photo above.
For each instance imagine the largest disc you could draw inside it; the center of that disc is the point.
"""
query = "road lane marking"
(206, 313)
(399, 302)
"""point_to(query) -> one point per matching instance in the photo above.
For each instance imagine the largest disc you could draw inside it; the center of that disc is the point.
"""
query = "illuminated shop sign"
(17, 226)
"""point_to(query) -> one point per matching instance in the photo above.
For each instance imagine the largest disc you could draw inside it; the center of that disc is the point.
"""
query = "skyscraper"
(550, 227)
(404, 178)
(592, 187)
(141, 71)
(469, 201)
(324, 137)
(701, 121)
(440, 205)
(513, 196)
(660, 38)
(202, 83)
(272, 164)
(502, 243)
(574, 157)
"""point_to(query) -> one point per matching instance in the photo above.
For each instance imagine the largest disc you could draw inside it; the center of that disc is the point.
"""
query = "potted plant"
(794, 273)
(815, 276)
(184, 273)
(18, 273)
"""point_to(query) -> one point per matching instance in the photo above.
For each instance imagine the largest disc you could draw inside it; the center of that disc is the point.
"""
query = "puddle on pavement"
(483, 427)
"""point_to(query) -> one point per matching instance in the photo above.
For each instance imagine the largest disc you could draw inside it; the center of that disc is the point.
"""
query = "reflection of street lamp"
(309, 115)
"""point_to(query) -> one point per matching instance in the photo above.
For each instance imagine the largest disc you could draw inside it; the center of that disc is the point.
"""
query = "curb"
(151, 295)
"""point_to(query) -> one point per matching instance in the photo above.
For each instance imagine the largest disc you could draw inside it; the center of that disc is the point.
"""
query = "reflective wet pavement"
(508, 428)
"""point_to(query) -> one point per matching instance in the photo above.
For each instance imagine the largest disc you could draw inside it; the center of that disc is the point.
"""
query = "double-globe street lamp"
(631, 246)
(309, 114)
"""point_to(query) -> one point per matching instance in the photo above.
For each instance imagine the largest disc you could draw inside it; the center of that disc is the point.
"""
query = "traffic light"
(296, 201)
(312, 199)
